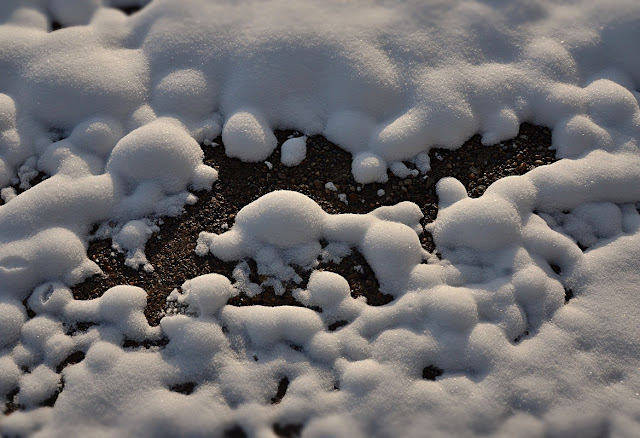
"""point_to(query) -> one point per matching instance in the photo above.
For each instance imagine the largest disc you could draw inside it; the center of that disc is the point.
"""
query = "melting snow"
(113, 108)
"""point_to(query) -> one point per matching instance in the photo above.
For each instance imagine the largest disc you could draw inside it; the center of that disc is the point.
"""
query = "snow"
(368, 167)
(350, 129)
(177, 157)
(206, 294)
(399, 169)
(331, 186)
(248, 137)
(7, 194)
(294, 151)
(131, 239)
(113, 109)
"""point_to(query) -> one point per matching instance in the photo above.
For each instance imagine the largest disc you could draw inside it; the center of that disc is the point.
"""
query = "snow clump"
(294, 151)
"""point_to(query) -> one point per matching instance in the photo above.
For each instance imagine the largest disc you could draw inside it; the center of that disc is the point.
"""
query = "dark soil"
(431, 372)
(288, 430)
(171, 250)
(283, 385)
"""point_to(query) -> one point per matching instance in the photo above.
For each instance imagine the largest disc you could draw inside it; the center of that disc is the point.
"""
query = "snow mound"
(247, 136)
(294, 151)
(165, 143)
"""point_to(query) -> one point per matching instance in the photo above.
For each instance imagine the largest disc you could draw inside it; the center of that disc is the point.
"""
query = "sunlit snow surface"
(134, 95)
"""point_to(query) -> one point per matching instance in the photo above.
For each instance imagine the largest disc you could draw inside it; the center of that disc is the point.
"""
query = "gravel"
(171, 250)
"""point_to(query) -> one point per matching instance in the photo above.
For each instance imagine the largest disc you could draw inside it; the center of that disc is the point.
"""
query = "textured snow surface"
(113, 108)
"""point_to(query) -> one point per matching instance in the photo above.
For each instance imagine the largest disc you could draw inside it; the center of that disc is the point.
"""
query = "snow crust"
(113, 108)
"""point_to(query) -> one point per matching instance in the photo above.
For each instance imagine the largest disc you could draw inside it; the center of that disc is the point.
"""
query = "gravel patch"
(171, 250)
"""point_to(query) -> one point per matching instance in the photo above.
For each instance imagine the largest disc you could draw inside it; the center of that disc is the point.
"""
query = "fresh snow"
(294, 151)
(113, 108)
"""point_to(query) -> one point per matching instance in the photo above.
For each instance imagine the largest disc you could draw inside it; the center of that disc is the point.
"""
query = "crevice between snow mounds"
(63, 14)
(19, 168)
(27, 179)
(28, 174)
(325, 176)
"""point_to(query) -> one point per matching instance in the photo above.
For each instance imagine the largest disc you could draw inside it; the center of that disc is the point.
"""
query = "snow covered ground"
(480, 342)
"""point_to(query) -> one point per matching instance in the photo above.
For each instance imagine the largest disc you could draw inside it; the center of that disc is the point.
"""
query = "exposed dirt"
(171, 250)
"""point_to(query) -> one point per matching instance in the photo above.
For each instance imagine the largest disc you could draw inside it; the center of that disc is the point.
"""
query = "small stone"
(331, 187)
